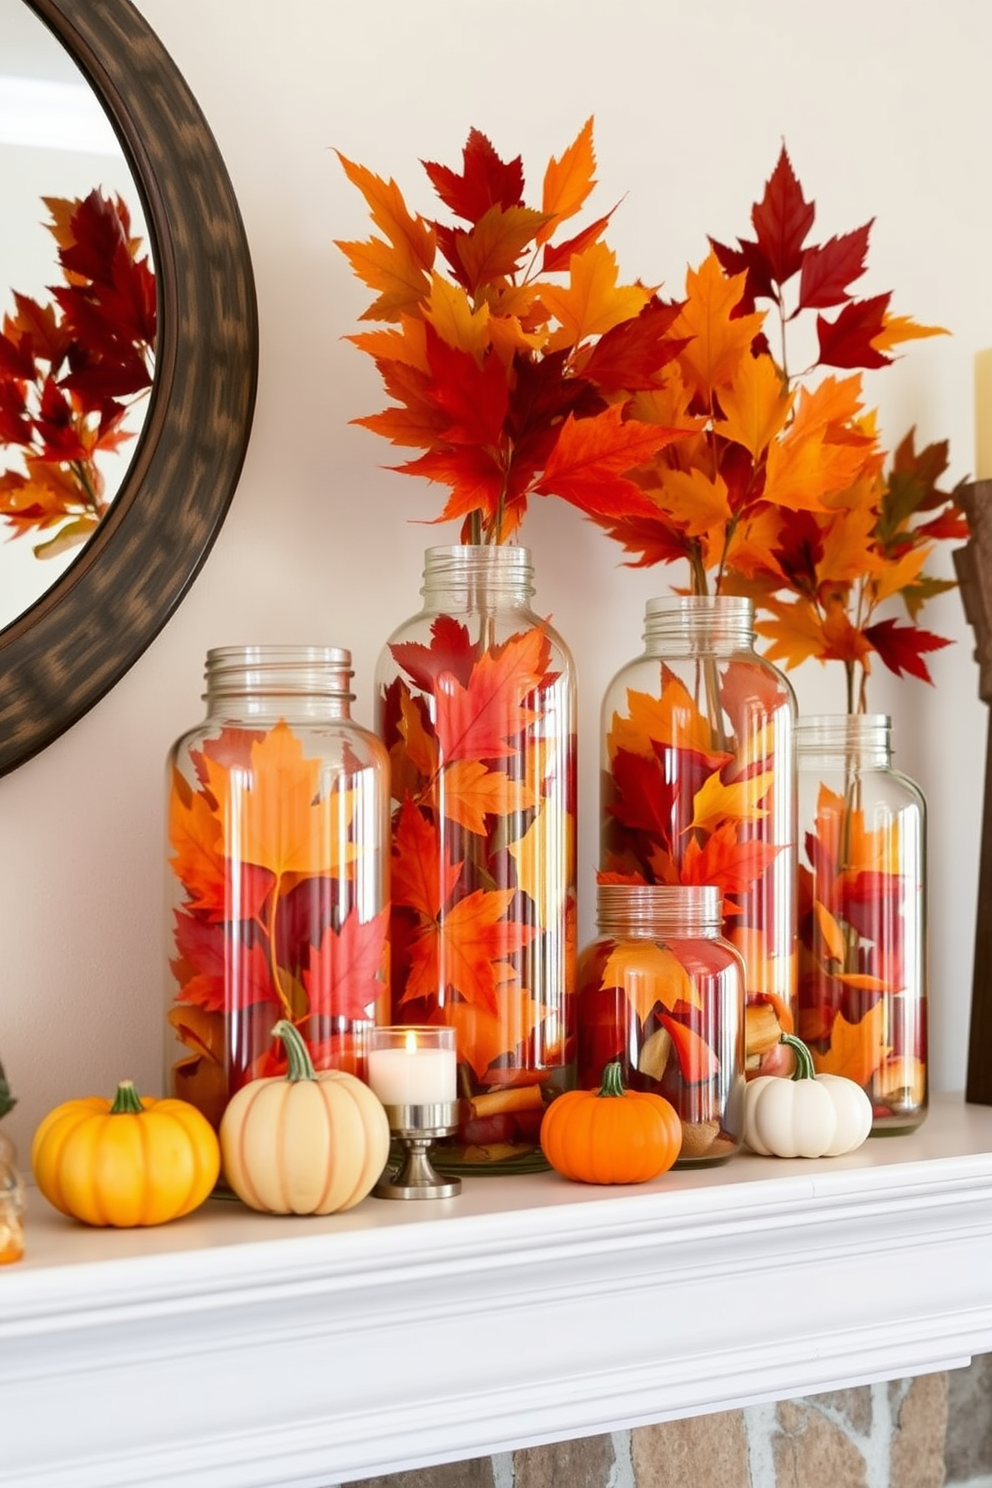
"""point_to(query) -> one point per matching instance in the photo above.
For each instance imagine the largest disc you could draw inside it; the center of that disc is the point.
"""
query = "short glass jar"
(279, 828)
(662, 991)
(862, 915)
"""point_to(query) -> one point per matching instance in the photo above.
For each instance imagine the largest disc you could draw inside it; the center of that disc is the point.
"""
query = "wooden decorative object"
(973, 564)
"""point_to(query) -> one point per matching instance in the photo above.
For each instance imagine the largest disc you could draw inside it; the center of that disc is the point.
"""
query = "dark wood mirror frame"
(64, 653)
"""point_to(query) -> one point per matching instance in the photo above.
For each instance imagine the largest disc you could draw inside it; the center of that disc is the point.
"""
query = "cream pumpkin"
(306, 1142)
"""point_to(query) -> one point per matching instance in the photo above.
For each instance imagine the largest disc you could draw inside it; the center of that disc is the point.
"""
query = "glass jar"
(699, 786)
(862, 915)
(662, 991)
(476, 705)
(278, 820)
(11, 1188)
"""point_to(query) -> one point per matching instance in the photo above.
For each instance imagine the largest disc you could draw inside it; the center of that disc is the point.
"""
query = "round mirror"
(68, 645)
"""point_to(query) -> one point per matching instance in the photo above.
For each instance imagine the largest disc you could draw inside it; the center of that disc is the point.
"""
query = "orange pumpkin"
(611, 1135)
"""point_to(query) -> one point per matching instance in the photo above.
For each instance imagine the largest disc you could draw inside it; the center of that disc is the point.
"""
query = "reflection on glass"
(77, 306)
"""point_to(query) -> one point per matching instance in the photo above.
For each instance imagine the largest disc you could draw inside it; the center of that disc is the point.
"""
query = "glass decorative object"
(699, 787)
(476, 706)
(862, 915)
(662, 992)
(11, 1188)
(278, 822)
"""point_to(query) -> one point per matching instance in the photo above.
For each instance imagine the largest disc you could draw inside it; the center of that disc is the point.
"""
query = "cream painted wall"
(883, 108)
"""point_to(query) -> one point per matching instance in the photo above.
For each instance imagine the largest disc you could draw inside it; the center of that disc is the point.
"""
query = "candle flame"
(410, 1042)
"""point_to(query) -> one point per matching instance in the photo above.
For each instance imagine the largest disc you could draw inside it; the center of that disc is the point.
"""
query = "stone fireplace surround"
(526, 1320)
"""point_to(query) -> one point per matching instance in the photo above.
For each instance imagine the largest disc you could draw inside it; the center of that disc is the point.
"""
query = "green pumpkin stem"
(612, 1080)
(127, 1101)
(297, 1053)
(805, 1068)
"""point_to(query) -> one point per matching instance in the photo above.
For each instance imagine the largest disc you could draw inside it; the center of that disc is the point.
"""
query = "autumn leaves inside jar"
(278, 829)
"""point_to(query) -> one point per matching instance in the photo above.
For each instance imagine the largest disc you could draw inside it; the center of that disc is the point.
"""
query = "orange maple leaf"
(483, 1036)
(717, 340)
(481, 721)
(466, 791)
(649, 975)
(856, 1049)
(568, 182)
(466, 950)
(592, 458)
(398, 267)
(285, 822)
(670, 717)
(592, 302)
(422, 879)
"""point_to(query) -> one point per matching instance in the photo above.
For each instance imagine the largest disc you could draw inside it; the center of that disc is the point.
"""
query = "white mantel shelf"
(234, 1350)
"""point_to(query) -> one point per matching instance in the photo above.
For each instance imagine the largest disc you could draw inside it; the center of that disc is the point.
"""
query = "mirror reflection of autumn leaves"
(71, 369)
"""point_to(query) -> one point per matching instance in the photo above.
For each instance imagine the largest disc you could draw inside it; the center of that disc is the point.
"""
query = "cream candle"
(412, 1066)
(983, 415)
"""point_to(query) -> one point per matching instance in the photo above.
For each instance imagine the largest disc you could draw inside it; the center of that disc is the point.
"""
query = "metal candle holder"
(418, 1127)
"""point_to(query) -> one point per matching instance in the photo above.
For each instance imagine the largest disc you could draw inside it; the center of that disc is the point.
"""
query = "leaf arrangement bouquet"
(784, 494)
(512, 352)
(71, 369)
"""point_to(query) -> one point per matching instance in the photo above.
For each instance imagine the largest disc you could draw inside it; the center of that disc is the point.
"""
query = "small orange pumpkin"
(611, 1135)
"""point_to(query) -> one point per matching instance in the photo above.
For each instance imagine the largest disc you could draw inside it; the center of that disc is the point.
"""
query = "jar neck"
(468, 577)
(687, 623)
(646, 911)
(269, 681)
(864, 739)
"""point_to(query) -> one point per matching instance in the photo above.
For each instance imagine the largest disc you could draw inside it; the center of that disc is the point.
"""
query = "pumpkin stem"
(297, 1053)
(127, 1101)
(805, 1069)
(612, 1080)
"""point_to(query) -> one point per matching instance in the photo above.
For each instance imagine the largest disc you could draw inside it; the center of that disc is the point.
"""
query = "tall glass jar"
(862, 915)
(278, 819)
(699, 786)
(662, 991)
(476, 705)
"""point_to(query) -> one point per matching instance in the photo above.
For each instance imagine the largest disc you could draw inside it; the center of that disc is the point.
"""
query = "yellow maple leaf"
(568, 182)
(697, 501)
(717, 342)
(455, 318)
(755, 405)
(848, 550)
(856, 1049)
(795, 631)
(542, 856)
(854, 846)
(592, 302)
(466, 792)
(669, 717)
(895, 575)
(715, 802)
(649, 974)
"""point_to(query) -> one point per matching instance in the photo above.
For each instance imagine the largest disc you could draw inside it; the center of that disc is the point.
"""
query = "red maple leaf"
(630, 355)
(451, 650)
(211, 975)
(486, 180)
(828, 269)
(473, 396)
(343, 978)
(846, 341)
(901, 647)
(782, 220)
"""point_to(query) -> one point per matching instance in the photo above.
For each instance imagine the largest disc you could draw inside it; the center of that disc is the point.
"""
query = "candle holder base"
(418, 1127)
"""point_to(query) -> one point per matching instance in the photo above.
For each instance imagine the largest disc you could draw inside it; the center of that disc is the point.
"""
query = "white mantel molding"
(234, 1350)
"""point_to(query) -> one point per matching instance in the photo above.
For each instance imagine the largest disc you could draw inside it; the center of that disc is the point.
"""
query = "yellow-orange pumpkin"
(611, 1135)
(130, 1161)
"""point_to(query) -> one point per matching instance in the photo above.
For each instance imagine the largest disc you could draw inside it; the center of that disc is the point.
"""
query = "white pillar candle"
(413, 1070)
(983, 415)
